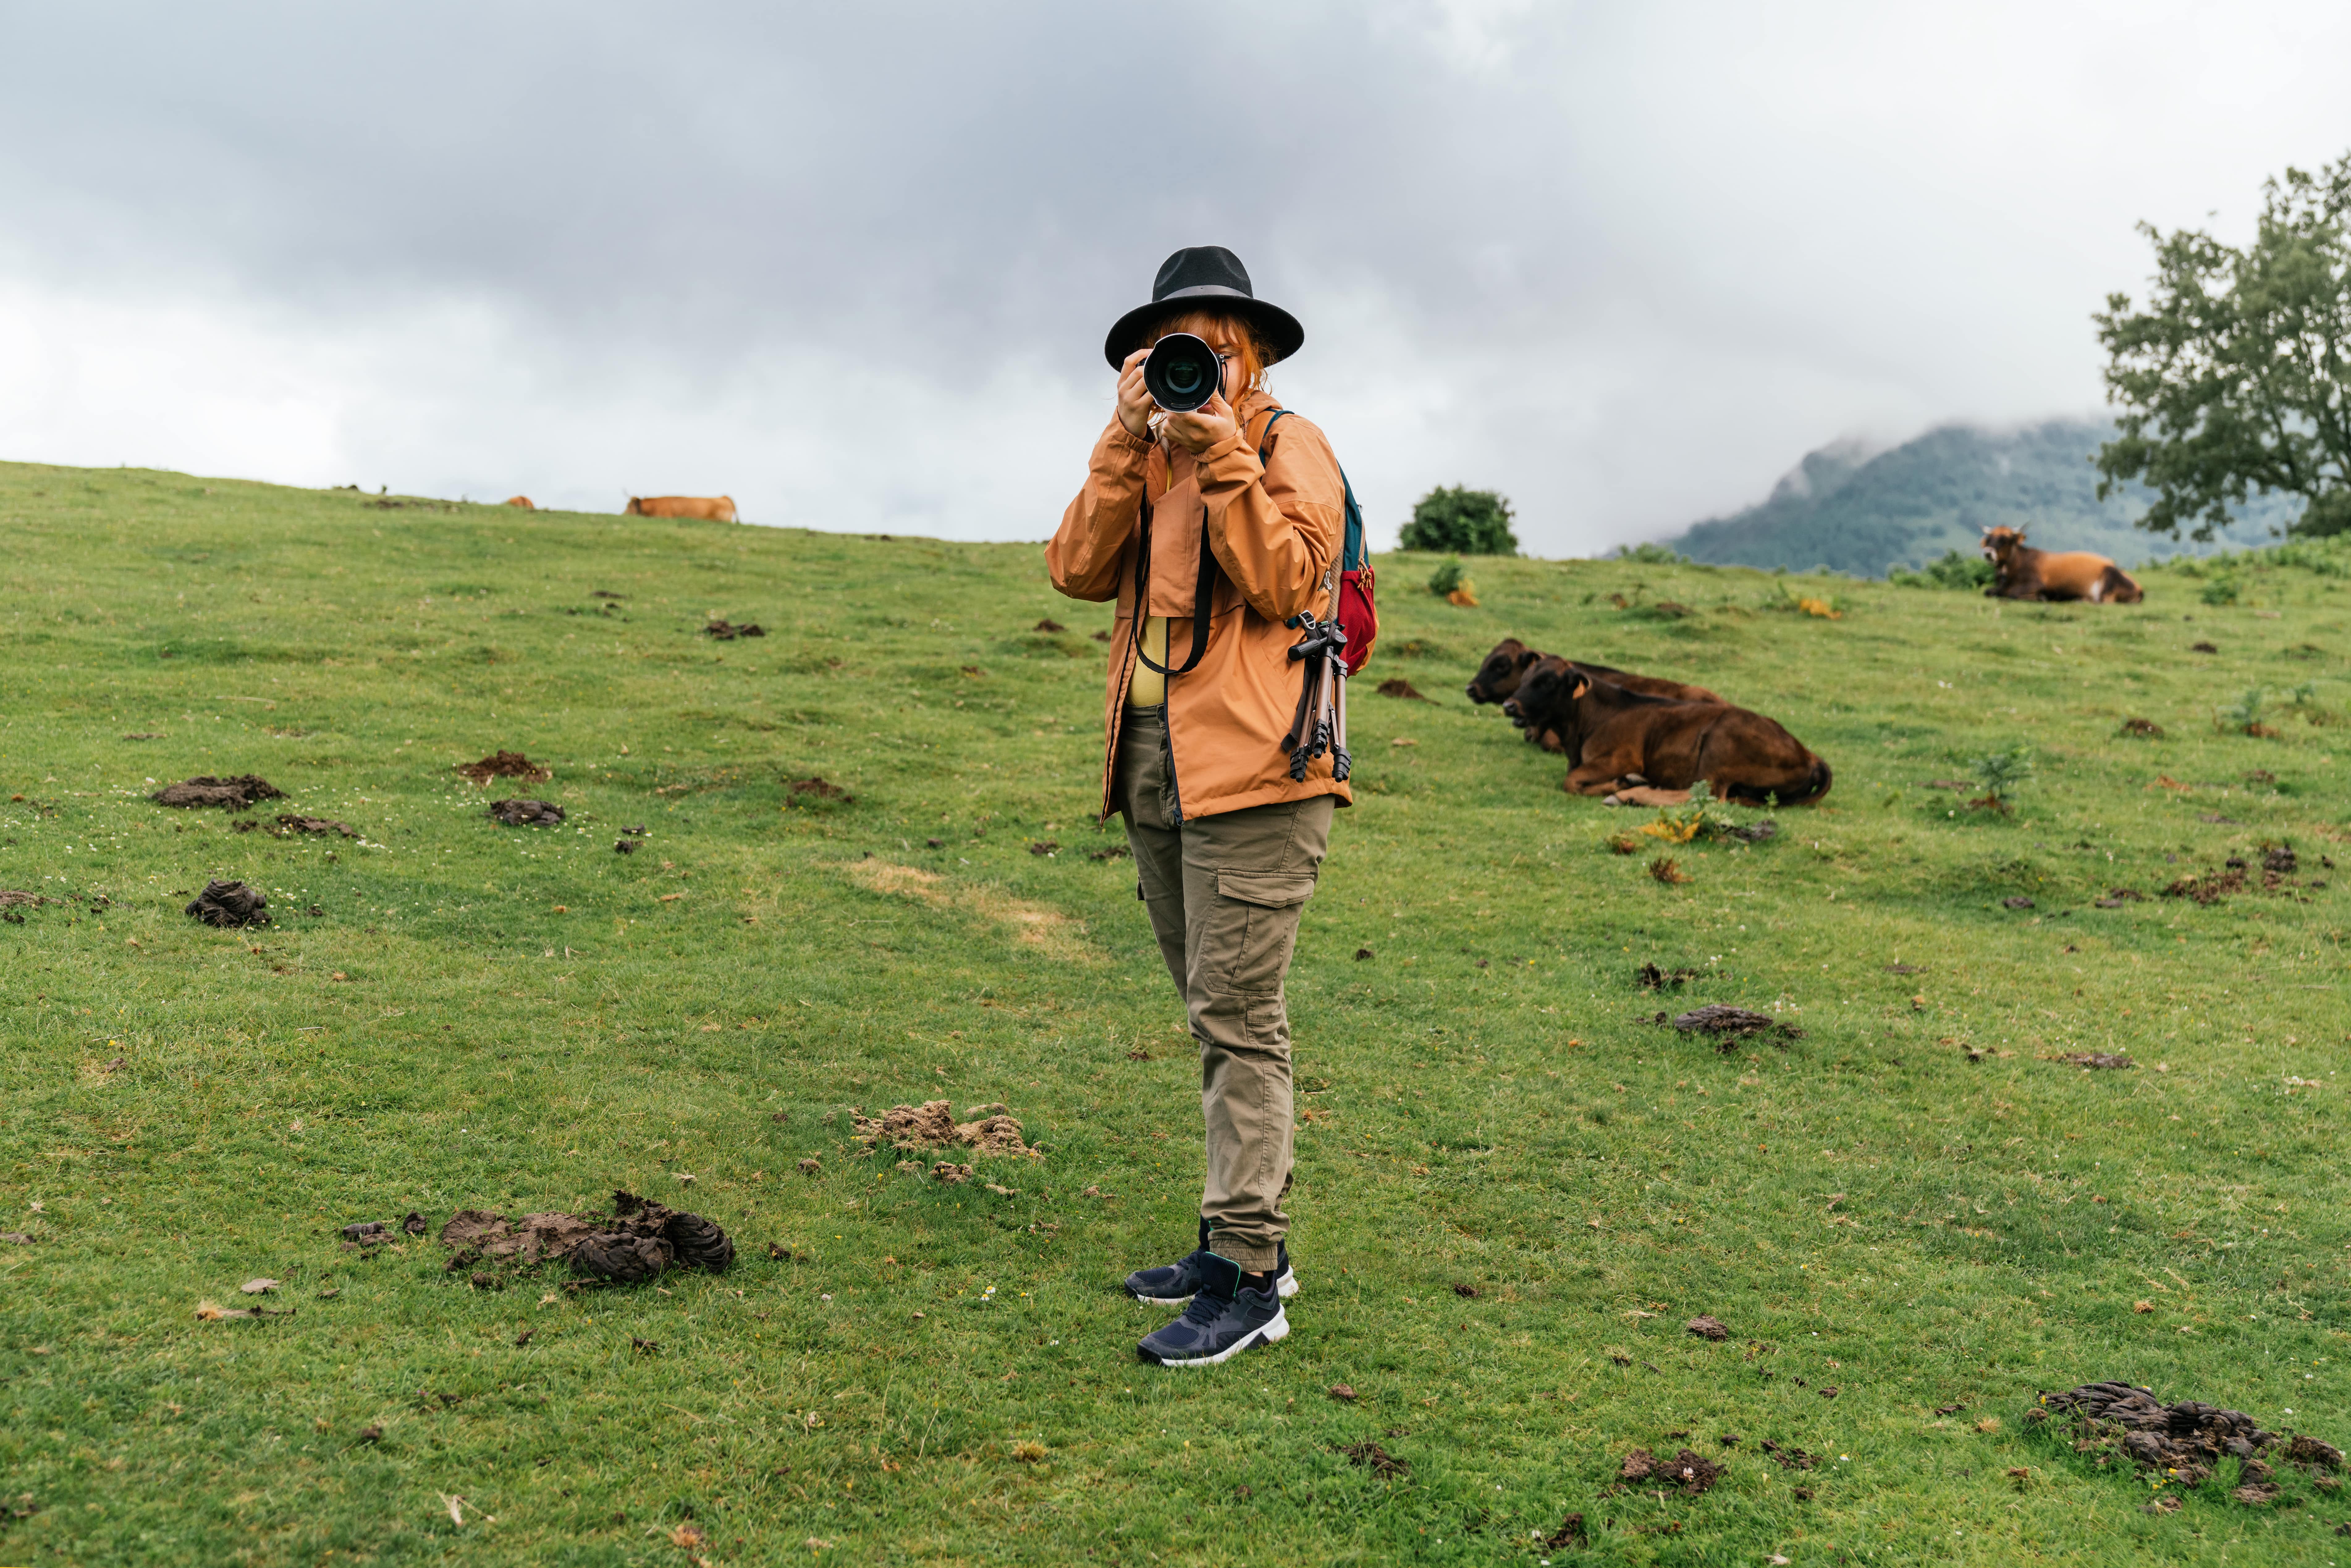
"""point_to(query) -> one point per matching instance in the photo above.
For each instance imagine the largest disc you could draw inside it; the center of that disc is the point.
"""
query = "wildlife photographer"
(1217, 521)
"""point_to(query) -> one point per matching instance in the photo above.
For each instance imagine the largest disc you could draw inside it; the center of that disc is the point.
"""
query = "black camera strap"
(1203, 594)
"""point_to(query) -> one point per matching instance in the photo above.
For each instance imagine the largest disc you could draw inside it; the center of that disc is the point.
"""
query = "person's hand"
(1203, 427)
(1134, 404)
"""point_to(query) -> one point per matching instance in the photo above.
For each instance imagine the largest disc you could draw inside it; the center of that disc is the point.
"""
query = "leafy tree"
(1465, 522)
(2237, 376)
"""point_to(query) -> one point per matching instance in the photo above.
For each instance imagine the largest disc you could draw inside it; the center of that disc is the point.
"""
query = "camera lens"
(1182, 372)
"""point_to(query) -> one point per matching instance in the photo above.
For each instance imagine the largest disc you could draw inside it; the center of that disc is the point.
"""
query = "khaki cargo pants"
(1225, 893)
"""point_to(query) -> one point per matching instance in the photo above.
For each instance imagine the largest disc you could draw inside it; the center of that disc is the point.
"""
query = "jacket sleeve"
(1280, 526)
(1083, 557)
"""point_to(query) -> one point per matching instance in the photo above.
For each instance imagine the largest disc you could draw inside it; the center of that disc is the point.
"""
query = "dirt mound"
(1690, 1470)
(1398, 687)
(2184, 1441)
(2098, 1058)
(2279, 860)
(1377, 1459)
(1652, 978)
(1729, 1025)
(725, 633)
(2145, 727)
(245, 790)
(822, 790)
(294, 823)
(230, 904)
(2209, 888)
(915, 1129)
(638, 1241)
(1706, 1328)
(504, 765)
(10, 898)
(1049, 625)
(526, 813)
(1789, 1459)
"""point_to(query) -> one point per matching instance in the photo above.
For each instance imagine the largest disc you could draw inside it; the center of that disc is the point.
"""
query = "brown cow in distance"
(712, 508)
(1625, 740)
(521, 501)
(1506, 669)
(2021, 572)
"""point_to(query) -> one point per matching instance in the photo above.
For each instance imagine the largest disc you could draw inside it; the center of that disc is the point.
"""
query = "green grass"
(524, 1020)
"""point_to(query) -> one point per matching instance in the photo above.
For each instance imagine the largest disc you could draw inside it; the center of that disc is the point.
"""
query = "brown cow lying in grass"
(713, 509)
(1511, 662)
(1650, 749)
(2021, 572)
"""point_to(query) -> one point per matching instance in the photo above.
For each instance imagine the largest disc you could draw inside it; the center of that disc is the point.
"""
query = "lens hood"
(1181, 373)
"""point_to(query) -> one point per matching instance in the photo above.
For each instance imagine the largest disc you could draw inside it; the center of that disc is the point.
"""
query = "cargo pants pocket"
(1256, 918)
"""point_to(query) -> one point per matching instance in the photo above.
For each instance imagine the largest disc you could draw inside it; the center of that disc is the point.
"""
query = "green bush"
(1465, 522)
(2244, 715)
(1953, 571)
(1450, 582)
(1652, 554)
(2221, 590)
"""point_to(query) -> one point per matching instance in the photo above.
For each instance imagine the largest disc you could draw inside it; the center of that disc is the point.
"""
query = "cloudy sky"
(852, 264)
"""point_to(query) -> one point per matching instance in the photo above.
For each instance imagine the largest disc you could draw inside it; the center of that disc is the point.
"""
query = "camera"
(1181, 373)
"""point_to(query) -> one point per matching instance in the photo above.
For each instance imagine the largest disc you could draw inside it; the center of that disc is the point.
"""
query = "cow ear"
(1528, 657)
(1582, 684)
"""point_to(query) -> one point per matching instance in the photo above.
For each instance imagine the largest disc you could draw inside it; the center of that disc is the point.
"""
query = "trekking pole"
(1341, 764)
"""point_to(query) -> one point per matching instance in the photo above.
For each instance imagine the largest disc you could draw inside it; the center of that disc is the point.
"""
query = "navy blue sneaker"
(1222, 1320)
(1173, 1284)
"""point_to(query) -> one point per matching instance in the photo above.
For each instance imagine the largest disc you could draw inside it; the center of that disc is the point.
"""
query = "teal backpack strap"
(1265, 438)
(1352, 554)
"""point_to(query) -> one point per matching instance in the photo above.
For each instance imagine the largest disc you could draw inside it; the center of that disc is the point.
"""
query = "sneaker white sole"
(1278, 1328)
(1285, 1287)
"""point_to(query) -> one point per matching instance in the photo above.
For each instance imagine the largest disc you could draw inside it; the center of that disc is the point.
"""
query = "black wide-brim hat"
(1205, 276)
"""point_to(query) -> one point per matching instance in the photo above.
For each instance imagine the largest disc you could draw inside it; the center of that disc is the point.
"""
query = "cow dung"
(1728, 1024)
(640, 1240)
(1689, 1470)
(2016, 901)
(1377, 1459)
(526, 813)
(294, 823)
(2208, 889)
(237, 794)
(725, 633)
(504, 765)
(1652, 978)
(2099, 1059)
(2183, 1441)
(1706, 1328)
(230, 904)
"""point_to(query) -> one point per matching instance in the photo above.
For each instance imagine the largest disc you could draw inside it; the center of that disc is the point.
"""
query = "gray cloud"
(854, 263)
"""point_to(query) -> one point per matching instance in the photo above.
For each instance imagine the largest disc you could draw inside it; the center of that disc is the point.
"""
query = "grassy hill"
(1852, 511)
(1514, 1188)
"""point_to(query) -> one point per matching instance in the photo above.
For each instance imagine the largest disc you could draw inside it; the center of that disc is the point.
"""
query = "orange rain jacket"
(1276, 531)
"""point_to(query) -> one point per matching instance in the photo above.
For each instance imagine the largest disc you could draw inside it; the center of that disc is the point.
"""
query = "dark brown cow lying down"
(1624, 739)
(1507, 668)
